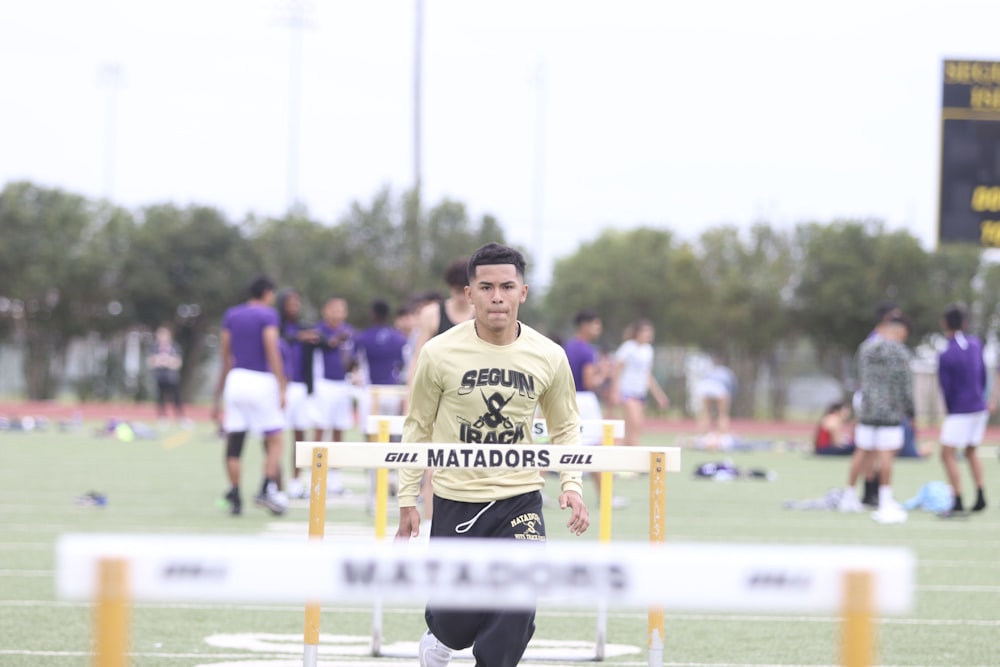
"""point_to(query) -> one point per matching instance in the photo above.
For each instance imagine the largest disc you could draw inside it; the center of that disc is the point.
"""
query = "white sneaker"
(296, 489)
(849, 503)
(890, 514)
(432, 653)
(273, 500)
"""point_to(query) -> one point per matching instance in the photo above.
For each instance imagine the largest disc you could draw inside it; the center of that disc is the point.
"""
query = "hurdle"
(384, 426)
(655, 461)
(117, 570)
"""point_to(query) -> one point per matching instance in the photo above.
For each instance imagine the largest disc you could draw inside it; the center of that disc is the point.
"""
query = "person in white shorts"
(887, 399)
(251, 388)
(962, 378)
(334, 391)
(297, 344)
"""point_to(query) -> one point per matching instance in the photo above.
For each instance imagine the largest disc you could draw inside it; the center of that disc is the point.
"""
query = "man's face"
(897, 332)
(592, 330)
(335, 311)
(496, 292)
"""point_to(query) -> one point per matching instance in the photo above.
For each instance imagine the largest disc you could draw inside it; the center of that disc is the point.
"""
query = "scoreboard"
(970, 153)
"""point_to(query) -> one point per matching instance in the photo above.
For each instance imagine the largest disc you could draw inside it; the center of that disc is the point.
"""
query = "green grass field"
(171, 484)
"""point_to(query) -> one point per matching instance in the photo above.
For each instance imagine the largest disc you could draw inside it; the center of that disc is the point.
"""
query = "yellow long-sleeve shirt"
(466, 390)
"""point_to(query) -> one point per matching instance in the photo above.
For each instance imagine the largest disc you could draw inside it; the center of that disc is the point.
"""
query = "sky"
(562, 118)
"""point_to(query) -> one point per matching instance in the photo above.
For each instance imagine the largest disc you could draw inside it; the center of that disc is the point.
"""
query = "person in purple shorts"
(335, 398)
(589, 372)
(962, 377)
(297, 345)
(251, 391)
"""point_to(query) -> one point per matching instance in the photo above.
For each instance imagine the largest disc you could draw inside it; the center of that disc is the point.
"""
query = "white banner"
(517, 456)
(471, 573)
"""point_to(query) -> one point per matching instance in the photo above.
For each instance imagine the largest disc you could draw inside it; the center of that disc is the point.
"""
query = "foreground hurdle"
(655, 461)
(855, 582)
(382, 427)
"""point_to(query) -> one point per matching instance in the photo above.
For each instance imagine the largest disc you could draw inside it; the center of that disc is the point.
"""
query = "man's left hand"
(579, 520)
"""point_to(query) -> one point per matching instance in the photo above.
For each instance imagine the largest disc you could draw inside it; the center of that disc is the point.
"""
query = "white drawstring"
(466, 525)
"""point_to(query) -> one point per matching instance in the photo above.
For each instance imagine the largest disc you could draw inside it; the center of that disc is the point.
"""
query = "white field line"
(818, 539)
(281, 660)
(60, 604)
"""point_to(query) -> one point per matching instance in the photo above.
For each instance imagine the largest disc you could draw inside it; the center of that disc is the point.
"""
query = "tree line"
(74, 267)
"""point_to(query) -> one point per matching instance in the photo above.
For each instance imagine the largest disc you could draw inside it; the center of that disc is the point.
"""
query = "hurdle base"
(310, 655)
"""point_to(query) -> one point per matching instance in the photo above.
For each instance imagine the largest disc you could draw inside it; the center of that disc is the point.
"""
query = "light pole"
(296, 18)
(110, 78)
(541, 273)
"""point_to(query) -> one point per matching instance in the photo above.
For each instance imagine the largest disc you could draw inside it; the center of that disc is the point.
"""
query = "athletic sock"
(957, 505)
(980, 501)
(885, 497)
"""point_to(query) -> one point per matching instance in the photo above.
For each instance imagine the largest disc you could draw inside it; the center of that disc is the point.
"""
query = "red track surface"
(745, 428)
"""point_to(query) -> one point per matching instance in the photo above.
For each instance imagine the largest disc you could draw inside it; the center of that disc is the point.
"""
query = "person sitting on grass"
(834, 432)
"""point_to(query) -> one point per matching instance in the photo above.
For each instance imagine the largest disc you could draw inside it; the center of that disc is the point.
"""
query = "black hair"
(494, 253)
(884, 310)
(836, 406)
(457, 272)
(380, 310)
(279, 302)
(955, 317)
(260, 285)
(585, 316)
(901, 320)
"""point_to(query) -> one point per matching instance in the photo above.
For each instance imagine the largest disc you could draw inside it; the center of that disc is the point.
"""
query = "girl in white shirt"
(634, 380)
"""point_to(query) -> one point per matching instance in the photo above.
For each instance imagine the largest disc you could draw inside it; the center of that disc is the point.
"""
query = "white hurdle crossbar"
(115, 570)
(382, 427)
(656, 461)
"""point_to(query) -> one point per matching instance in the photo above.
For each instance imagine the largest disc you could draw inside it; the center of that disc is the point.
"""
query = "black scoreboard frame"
(969, 194)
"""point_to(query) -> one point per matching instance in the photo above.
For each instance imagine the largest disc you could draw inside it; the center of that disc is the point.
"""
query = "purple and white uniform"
(334, 396)
(962, 377)
(581, 354)
(251, 394)
(379, 351)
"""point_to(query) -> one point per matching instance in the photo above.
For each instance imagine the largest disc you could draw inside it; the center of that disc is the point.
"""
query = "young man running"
(481, 381)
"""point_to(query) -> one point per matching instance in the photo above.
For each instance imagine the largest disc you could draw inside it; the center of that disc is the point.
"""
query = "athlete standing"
(481, 381)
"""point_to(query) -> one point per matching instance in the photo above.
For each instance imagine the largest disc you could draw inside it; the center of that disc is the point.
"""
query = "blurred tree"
(58, 282)
(952, 277)
(844, 270)
(624, 275)
(744, 315)
(184, 267)
(301, 254)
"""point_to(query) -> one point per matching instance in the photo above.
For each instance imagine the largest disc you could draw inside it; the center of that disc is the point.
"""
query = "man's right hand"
(409, 524)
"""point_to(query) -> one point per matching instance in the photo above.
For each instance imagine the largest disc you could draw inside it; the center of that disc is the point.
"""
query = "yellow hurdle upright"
(111, 614)
(317, 526)
(657, 535)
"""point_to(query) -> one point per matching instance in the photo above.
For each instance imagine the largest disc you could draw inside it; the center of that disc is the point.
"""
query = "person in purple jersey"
(334, 395)
(379, 352)
(297, 344)
(590, 371)
(251, 389)
(962, 377)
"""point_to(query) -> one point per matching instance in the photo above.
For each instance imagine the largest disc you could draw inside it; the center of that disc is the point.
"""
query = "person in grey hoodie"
(887, 400)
